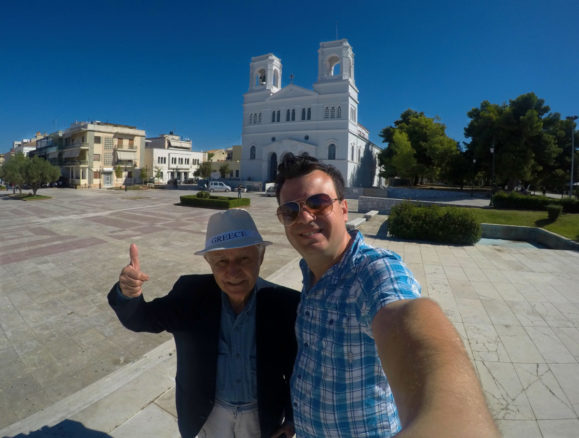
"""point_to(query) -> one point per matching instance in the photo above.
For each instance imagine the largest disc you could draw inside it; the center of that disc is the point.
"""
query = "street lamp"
(572, 120)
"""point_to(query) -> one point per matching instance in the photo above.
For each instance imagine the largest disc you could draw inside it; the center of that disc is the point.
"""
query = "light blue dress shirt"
(236, 362)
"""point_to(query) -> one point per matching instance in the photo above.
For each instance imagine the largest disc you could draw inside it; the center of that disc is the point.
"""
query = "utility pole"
(572, 120)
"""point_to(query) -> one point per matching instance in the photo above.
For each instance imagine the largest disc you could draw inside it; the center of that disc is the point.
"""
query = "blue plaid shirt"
(338, 386)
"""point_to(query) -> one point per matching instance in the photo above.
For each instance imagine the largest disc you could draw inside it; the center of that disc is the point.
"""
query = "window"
(131, 143)
(97, 139)
(251, 119)
(96, 157)
(306, 137)
(108, 144)
(309, 114)
(252, 153)
(287, 115)
(339, 112)
(259, 118)
(293, 115)
(272, 139)
(303, 114)
(273, 117)
(120, 143)
(278, 113)
(332, 152)
(333, 113)
(326, 113)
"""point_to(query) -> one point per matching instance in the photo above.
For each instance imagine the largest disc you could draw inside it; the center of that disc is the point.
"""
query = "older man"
(373, 358)
(234, 334)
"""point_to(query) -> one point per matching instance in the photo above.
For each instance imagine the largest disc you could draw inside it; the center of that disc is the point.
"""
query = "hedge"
(216, 202)
(518, 201)
(434, 224)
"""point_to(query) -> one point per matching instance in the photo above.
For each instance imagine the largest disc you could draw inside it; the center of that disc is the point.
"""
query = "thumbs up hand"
(131, 279)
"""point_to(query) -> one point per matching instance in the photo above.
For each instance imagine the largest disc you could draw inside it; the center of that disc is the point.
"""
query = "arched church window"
(327, 113)
(332, 152)
(333, 66)
(309, 114)
(278, 113)
(276, 78)
(252, 153)
(303, 114)
(293, 115)
(339, 112)
(251, 119)
(259, 118)
(287, 115)
(333, 113)
(272, 116)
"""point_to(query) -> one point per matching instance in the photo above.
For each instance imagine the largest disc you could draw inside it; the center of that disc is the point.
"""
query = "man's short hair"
(294, 166)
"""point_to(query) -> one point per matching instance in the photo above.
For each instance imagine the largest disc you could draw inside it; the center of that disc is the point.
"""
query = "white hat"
(231, 229)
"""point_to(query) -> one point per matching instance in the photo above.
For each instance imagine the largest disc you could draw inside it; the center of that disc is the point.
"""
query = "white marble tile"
(518, 344)
(570, 310)
(151, 422)
(552, 315)
(472, 311)
(570, 338)
(475, 274)
(549, 345)
(519, 429)
(526, 314)
(499, 312)
(559, 428)
(485, 343)
(509, 292)
(568, 377)
(546, 397)
(505, 395)
(486, 290)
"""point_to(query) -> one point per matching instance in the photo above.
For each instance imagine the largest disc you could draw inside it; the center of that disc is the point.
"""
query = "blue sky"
(183, 66)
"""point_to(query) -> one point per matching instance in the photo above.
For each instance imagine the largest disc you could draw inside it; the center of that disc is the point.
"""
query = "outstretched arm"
(431, 376)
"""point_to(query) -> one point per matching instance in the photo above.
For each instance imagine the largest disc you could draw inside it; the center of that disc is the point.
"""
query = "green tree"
(205, 169)
(433, 149)
(403, 159)
(37, 172)
(13, 171)
(519, 133)
(224, 170)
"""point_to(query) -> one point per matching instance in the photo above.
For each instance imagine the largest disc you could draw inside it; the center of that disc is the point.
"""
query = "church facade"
(322, 122)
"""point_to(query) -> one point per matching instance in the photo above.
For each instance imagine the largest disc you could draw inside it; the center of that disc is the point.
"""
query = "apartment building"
(169, 157)
(96, 154)
(230, 157)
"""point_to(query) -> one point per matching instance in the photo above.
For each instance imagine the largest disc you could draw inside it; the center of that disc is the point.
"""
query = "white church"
(322, 122)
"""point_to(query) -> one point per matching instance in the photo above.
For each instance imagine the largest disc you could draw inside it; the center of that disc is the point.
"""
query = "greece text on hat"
(231, 229)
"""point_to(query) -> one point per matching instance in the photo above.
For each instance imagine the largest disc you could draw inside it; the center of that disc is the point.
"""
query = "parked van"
(218, 186)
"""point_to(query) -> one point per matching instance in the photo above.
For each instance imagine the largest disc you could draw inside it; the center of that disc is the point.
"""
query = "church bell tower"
(265, 73)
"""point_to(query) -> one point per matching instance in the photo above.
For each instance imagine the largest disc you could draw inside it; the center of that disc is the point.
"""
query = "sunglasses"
(316, 205)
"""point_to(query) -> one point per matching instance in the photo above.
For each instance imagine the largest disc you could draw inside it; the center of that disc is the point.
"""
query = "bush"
(203, 194)
(518, 201)
(216, 202)
(434, 224)
(554, 211)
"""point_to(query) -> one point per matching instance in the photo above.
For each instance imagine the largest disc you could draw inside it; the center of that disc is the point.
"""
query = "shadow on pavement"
(64, 429)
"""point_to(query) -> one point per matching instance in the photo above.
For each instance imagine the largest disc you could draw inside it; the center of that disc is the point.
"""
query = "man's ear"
(344, 205)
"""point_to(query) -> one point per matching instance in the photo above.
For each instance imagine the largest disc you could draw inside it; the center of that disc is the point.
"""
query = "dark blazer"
(192, 313)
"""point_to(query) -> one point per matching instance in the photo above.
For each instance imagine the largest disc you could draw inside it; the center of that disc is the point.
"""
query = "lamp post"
(572, 120)
(492, 149)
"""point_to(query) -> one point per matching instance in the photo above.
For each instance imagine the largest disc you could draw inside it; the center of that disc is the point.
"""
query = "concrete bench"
(370, 214)
(355, 223)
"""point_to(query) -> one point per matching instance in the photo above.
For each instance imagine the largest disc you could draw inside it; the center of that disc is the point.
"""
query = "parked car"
(270, 191)
(218, 186)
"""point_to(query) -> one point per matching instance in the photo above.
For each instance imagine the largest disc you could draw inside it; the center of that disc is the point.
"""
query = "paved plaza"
(68, 367)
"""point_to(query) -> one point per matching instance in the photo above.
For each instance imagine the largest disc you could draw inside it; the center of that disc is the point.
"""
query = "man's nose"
(305, 216)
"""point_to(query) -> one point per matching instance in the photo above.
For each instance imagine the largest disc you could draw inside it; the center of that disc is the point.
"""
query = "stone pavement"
(70, 369)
